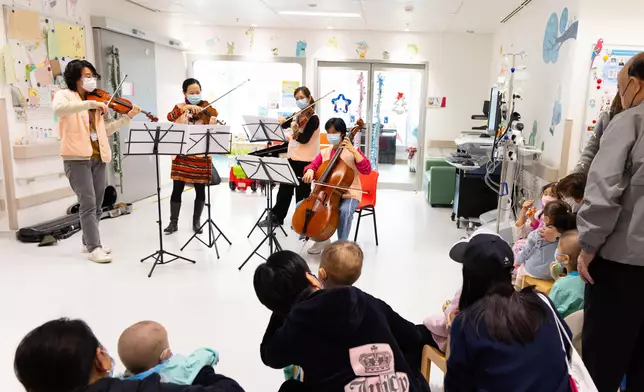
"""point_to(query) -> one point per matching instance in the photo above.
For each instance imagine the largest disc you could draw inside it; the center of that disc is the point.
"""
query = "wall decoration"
(55, 7)
(362, 49)
(115, 81)
(300, 49)
(341, 104)
(66, 40)
(532, 140)
(250, 32)
(358, 138)
(71, 8)
(436, 102)
(22, 24)
(412, 50)
(211, 42)
(596, 51)
(400, 105)
(557, 32)
(385, 55)
(332, 43)
(275, 51)
(557, 111)
(230, 48)
(377, 126)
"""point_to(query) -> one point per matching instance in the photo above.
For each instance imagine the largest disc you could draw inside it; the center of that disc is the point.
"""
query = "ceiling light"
(253, 25)
(329, 27)
(315, 13)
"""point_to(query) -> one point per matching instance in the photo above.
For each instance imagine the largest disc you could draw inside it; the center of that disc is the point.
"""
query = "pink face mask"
(547, 199)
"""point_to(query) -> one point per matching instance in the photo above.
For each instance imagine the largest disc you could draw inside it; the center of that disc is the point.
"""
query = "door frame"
(373, 66)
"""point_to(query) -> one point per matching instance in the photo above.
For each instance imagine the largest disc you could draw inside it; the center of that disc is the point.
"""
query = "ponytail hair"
(307, 93)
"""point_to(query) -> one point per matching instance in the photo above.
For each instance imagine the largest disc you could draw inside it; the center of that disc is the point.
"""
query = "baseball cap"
(483, 252)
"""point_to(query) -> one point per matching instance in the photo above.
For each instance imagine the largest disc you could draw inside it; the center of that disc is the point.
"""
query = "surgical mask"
(194, 99)
(302, 103)
(90, 84)
(334, 138)
(574, 206)
(547, 199)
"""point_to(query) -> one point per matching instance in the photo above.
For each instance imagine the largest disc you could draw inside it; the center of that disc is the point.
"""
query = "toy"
(239, 181)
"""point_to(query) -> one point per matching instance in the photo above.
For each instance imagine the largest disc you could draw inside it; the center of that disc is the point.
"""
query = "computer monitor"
(494, 116)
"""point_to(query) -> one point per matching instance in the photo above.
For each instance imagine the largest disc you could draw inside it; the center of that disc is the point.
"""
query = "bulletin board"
(602, 84)
(37, 50)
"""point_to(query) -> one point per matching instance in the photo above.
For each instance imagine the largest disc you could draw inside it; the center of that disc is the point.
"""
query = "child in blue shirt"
(144, 349)
(539, 252)
(567, 292)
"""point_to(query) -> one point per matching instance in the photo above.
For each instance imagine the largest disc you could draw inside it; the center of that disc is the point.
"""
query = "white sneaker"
(318, 247)
(99, 256)
(105, 249)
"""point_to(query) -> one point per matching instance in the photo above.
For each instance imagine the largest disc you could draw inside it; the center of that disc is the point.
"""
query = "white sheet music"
(255, 132)
(209, 139)
(277, 170)
(173, 138)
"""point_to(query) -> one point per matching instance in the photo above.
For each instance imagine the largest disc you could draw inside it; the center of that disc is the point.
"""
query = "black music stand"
(151, 138)
(209, 140)
(274, 171)
(264, 129)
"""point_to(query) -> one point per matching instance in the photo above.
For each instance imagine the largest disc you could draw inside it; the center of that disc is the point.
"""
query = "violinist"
(85, 149)
(355, 159)
(196, 170)
(302, 148)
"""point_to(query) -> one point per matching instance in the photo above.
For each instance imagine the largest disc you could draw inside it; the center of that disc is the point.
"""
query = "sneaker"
(99, 256)
(105, 249)
(318, 247)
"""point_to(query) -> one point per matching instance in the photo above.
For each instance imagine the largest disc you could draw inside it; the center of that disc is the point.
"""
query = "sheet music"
(263, 129)
(173, 138)
(252, 167)
(277, 170)
(217, 139)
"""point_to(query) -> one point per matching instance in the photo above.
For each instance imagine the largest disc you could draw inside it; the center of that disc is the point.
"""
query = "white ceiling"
(430, 16)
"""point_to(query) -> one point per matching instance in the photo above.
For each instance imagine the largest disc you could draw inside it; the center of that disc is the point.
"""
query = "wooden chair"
(432, 355)
(542, 285)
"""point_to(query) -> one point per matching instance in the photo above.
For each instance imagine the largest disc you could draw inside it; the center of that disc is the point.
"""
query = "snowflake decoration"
(339, 102)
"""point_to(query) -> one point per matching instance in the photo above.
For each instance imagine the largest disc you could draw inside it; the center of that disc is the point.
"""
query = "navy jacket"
(344, 338)
(478, 363)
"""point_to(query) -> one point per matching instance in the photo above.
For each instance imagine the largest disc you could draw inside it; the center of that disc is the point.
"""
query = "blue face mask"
(334, 138)
(194, 99)
(302, 103)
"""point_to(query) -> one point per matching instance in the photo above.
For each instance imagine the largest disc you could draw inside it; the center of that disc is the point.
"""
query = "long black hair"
(74, 72)
(508, 315)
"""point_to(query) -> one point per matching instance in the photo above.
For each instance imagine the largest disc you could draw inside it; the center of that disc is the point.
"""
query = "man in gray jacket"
(611, 233)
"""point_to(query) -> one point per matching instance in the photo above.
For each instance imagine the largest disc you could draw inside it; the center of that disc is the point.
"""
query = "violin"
(303, 118)
(119, 105)
(318, 215)
(204, 115)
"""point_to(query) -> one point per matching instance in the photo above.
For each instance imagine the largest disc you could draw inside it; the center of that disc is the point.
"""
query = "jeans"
(347, 208)
(88, 181)
(285, 192)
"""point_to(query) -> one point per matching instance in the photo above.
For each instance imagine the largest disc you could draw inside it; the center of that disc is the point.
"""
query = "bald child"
(144, 349)
(340, 265)
(567, 292)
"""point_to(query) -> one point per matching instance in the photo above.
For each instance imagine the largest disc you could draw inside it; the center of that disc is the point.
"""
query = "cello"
(318, 215)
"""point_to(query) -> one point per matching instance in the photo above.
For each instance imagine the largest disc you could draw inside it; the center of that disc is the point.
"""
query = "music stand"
(151, 138)
(209, 140)
(271, 170)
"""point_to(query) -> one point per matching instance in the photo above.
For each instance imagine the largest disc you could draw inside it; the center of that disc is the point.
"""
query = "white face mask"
(90, 84)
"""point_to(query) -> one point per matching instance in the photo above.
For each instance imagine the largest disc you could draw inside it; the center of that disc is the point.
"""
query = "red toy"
(241, 183)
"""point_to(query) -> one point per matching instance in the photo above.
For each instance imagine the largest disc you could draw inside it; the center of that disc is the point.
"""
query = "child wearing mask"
(530, 219)
(567, 293)
(355, 159)
(572, 189)
(539, 252)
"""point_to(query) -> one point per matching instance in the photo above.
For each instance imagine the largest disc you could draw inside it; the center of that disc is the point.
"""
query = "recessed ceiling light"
(327, 14)
(329, 27)
(253, 25)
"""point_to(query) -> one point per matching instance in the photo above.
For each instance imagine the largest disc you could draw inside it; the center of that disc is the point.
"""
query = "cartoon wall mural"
(532, 140)
(558, 31)
(557, 111)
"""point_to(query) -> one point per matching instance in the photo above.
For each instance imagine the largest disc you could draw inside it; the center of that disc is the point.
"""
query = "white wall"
(542, 81)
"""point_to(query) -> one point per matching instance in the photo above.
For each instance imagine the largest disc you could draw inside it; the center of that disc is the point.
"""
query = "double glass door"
(390, 99)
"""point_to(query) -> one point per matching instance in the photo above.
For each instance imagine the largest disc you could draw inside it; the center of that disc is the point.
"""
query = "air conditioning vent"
(516, 11)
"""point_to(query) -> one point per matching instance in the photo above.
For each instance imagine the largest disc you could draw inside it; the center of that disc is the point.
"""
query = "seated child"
(144, 350)
(567, 293)
(343, 338)
(340, 265)
(539, 252)
(572, 188)
(530, 219)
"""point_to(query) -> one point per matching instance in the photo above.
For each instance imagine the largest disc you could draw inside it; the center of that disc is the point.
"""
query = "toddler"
(538, 253)
(572, 189)
(144, 349)
(530, 219)
(567, 293)
(341, 264)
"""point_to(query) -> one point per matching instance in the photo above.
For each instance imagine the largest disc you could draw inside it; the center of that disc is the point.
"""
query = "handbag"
(580, 380)
(216, 178)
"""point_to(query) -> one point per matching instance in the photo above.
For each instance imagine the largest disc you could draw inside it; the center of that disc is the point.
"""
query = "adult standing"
(611, 232)
(302, 149)
(85, 149)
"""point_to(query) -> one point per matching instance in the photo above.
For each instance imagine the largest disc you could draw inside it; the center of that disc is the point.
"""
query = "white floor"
(211, 303)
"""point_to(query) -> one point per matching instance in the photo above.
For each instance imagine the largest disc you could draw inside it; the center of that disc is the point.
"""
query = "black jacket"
(344, 337)
(206, 381)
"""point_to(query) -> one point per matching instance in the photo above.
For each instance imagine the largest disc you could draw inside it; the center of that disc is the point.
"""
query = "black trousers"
(613, 333)
(285, 192)
(177, 191)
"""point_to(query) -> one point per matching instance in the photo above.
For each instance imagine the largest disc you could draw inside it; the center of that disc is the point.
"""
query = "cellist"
(354, 158)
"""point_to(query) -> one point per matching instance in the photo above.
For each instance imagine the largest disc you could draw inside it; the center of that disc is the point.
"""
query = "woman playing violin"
(355, 159)
(302, 148)
(85, 148)
(196, 170)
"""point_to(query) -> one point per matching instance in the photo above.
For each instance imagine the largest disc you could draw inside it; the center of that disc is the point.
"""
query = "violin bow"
(339, 187)
(238, 86)
(116, 90)
(313, 104)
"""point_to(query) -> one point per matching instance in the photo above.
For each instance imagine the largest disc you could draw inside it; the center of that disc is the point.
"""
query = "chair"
(432, 355)
(542, 285)
(367, 206)
(440, 181)
(575, 322)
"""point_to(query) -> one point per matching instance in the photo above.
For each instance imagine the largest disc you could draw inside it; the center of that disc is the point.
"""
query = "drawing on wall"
(250, 32)
(332, 43)
(341, 104)
(276, 52)
(230, 48)
(361, 49)
(532, 140)
(385, 55)
(211, 42)
(557, 111)
(300, 49)
(54, 7)
(412, 50)
(66, 40)
(596, 51)
(71, 8)
(558, 31)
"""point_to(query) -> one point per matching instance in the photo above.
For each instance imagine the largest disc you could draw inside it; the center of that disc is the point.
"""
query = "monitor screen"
(494, 116)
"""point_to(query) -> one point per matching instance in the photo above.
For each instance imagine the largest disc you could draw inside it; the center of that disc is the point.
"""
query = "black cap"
(484, 252)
